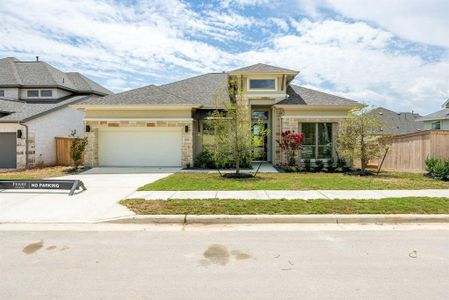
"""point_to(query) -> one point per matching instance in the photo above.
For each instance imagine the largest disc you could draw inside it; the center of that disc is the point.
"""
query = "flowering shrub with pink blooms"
(291, 143)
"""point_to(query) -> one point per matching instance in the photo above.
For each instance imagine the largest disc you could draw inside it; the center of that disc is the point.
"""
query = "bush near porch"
(294, 181)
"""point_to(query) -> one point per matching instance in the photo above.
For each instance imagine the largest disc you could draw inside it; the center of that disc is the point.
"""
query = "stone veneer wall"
(292, 123)
(91, 153)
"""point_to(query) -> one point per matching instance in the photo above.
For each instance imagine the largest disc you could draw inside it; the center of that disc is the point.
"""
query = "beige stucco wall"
(11, 93)
(133, 113)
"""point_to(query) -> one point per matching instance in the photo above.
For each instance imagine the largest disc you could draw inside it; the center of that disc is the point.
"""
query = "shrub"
(307, 165)
(77, 149)
(331, 167)
(291, 143)
(430, 164)
(205, 160)
(319, 165)
(441, 170)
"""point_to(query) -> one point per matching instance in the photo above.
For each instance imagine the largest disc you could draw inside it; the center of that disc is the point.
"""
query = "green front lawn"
(418, 205)
(294, 181)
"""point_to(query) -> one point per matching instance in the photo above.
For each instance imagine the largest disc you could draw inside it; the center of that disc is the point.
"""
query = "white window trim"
(38, 94)
(248, 80)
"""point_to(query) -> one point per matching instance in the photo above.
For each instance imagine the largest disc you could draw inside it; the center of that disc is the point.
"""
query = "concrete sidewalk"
(288, 194)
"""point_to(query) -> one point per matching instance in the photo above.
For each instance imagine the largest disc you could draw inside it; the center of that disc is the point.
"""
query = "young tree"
(77, 149)
(358, 137)
(234, 141)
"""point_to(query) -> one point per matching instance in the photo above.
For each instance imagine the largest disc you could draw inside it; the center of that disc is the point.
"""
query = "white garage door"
(159, 147)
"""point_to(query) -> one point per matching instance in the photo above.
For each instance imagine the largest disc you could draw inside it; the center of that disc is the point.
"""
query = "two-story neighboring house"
(168, 125)
(34, 108)
(438, 120)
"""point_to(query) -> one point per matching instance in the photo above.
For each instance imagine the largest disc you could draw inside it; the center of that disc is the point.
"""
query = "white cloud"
(353, 59)
(243, 3)
(130, 45)
(415, 20)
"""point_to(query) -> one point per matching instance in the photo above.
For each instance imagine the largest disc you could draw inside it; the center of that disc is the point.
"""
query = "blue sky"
(384, 53)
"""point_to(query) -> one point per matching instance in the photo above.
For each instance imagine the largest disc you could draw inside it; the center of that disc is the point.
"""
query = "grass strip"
(294, 181)
(411, 205)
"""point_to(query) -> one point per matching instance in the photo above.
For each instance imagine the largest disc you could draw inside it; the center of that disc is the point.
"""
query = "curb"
(280, 219)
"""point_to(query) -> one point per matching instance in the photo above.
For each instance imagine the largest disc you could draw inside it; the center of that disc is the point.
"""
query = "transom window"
(262, 84)
(318, 141)
(436, 125)
(46, 93)
(2, 93)
(32, 93)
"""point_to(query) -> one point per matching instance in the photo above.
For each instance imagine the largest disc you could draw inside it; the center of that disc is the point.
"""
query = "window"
(32, 93)
(208, 135)
(46, 93)
(436, 125)
(317, 142)
(262, 84)
(2, 93)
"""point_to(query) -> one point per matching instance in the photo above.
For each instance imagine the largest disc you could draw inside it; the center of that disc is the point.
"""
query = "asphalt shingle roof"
(263, 68)
(40, 74)
(200, 90)
(439, 115)
(208, 90)
(397, 123)
(21, 111)
(299, 95)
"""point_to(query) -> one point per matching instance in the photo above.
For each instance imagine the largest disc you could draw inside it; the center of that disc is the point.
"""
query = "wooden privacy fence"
(408, 152)
(63, 156)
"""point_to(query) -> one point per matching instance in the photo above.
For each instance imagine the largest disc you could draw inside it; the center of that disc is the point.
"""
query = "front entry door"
(260, 118)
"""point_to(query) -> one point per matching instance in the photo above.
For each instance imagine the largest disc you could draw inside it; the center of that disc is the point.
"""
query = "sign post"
(49, 184)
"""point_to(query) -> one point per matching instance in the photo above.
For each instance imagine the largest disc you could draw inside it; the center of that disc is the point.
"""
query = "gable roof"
(439, 115)
(298, 95)
(20, 111)
(15, 73)
(263, 68)
(199, 90)
(397, 123)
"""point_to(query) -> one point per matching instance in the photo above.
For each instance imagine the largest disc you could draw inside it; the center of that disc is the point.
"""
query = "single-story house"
(167, 125)
(394, 123)
(438, 120)
(35, 101)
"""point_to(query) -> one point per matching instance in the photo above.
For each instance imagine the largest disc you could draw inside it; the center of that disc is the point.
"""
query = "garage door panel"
(8, 150)
(140, 147)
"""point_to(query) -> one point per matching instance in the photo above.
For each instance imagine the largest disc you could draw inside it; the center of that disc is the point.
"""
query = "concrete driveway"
(105, 187)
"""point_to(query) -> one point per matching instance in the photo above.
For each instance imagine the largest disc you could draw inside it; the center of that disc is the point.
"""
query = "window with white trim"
(318, 140)
(46, 93)
(32, 93)
(436, 125)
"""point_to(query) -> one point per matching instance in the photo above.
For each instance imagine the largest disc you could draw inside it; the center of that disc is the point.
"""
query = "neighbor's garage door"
(148, 147)
(7, 150)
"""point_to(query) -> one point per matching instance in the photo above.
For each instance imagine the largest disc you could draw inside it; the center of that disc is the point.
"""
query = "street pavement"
(302, 261)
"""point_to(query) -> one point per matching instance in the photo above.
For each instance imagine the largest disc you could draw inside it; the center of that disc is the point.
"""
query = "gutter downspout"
(26, 143)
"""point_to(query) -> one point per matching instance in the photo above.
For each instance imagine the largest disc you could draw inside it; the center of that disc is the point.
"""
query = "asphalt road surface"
(224, 262)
